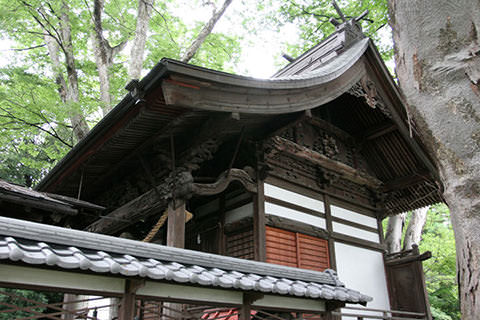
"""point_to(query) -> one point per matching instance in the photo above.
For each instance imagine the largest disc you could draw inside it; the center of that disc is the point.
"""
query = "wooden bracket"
(251, 297)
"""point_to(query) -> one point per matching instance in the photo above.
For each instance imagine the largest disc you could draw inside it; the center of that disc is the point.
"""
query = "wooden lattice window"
(296, 249)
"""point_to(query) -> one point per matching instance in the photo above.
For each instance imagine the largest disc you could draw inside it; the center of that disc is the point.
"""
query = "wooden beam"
(295, 226)
(176, 224)
(131, 212)
(78, 282)
(344, 170)
(157, 198)
(327, 126)
(42, 204)
(36, 278)
(358, 242)
(76, 202)
(379, 131)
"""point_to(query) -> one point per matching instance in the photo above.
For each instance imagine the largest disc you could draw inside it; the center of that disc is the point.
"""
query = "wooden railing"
(385, 314)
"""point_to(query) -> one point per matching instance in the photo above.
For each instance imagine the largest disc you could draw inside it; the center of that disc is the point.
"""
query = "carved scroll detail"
(223, 181)
(366, 89)
(179, 186)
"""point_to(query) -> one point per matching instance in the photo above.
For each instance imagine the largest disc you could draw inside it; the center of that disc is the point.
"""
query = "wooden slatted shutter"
(281, 247)
(295, 249)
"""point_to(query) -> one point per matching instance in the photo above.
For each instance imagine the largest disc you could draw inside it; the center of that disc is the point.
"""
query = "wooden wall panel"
(240, 244)
(281, 247)
(313, 253)
(295, 249)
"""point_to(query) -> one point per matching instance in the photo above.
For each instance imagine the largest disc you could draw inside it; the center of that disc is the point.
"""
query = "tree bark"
(438, 67)
(393, 236)
(413, 235)
(144, 13)
(104, 54)
(53, 49)
(80, 127)
(206, 30)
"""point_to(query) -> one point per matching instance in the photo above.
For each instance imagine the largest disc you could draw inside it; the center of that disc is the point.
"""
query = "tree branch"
(35, 125)
(207, 29)
(25, 49)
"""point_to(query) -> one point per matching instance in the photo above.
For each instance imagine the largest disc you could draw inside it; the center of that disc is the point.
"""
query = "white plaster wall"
(363, 270)
(103, 312)
(293, 197)
(291, 214)
(355, 232)
(239, 213)
(353, 216)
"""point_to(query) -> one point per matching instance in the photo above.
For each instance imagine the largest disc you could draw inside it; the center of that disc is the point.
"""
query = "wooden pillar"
(245, 312)
(246, 309)
(222, 239)
(175, 238)
(259, 223)
(329, 224)
(176, 224)
(127, 304)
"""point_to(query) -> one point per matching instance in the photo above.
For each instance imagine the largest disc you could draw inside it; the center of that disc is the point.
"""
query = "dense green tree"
(312, 19)
(54, 85)
(6, 301)
(440, 271)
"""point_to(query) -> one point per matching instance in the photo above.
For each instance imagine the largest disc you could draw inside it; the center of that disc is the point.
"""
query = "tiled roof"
(27, 247)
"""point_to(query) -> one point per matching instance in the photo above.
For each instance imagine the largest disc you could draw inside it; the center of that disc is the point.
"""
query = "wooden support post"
(175, 238)
(245, 312)
(329, 224)
(259, 223)
(246, 309)
(222, 239)
(127, 304)
(176, 224)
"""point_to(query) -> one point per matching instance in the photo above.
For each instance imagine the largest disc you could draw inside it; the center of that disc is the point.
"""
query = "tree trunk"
(393, 236)
(104, 55)
(206, 30)
(53, 49)
(144, 12)
(438, 67)
(413, 234)
(80, 127)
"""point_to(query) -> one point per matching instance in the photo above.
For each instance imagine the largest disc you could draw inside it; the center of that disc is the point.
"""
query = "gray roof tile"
(35, 252)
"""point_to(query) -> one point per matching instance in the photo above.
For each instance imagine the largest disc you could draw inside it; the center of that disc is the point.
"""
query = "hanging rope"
(161, 222)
